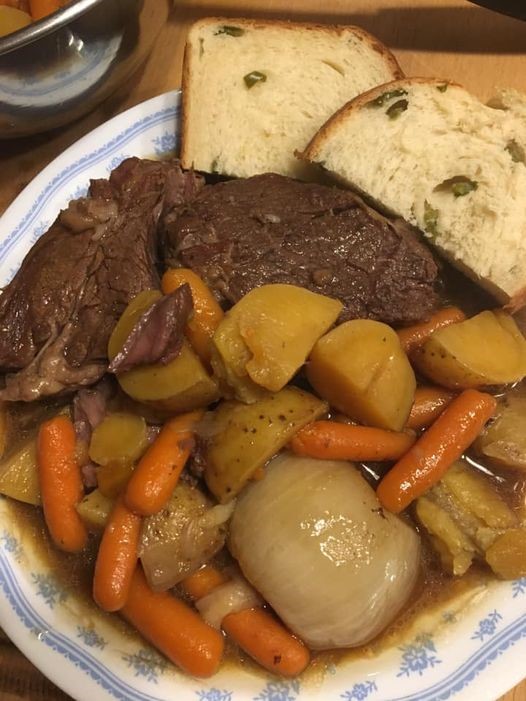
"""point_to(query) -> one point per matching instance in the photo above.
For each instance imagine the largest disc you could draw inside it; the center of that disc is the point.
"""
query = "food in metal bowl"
(60, 67)
(16, 14)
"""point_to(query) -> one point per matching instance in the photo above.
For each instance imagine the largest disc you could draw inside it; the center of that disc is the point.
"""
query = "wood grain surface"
(444, 38)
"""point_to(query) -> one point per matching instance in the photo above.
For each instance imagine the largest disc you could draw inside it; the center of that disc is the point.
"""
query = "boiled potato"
(487, 349)
(266, 337)
(95, 509)
(120, 437)
(181, 385)
(361, 369)
(244, 437)
(113, 477)
(507, 555)
(504, 439)
(19, 474)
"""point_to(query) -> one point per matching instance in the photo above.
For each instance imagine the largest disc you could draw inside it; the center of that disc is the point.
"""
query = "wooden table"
(446, 38)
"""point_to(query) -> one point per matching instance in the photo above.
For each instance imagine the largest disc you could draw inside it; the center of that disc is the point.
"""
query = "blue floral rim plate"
(473, 647)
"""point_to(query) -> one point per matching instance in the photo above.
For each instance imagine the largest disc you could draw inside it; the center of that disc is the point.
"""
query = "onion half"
(313, 539)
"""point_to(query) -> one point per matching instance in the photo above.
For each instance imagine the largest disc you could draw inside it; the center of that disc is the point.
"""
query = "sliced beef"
(57, 314)
(270, 229)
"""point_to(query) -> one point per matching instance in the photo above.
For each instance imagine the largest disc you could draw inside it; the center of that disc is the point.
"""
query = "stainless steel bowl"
(60, 68)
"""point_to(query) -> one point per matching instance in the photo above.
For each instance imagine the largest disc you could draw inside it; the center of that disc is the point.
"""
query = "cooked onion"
(181, 537)
(313, 540)
(236, 595)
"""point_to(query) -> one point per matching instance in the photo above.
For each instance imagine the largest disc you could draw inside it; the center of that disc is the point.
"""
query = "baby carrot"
(255, 630)
(429, 403)
(438, 447)
(330, 440)
(42, 8)
(207, 312)
(173, 628)
(61, 483)
(413, 337)
(117, 558)
(203, 581)
(154, 479)
(266, 640)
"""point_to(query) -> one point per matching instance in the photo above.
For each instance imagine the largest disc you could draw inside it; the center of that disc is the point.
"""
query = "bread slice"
(431, 152)
(254, 91)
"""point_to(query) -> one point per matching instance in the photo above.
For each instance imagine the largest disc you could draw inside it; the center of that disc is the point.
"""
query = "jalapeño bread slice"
(255, 91)
(431, 152)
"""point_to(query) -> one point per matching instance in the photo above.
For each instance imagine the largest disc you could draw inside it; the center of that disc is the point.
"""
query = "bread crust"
(338, 29)
(325, 131)
(185, 104)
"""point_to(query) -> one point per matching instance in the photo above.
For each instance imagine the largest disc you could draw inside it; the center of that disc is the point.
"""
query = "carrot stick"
(173, 628)
(329, 440)
(117, 558)
(415, 336)
(42, 8)
(255, 630)
(61, 483)
(154, 479)
(429, 403)
(207, 312)
(433, 453)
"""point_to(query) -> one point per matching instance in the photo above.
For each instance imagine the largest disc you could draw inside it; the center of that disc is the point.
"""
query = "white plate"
(473, 648)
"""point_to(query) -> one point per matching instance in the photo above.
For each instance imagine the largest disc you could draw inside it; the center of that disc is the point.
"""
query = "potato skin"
(487, 349)
(361, 369)
(181, 385)
(266, 337)
(244, 437)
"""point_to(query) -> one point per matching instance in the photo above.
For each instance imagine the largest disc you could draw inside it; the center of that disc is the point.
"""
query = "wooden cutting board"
(443, 38)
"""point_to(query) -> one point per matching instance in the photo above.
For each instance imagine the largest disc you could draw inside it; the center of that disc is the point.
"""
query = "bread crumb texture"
(254, 92)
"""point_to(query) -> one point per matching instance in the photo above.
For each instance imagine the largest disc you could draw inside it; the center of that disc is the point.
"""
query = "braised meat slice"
(271, 229)
(57, 314)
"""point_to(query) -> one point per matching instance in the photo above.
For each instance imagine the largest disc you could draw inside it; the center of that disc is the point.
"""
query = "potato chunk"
(507, 555)
(181, 385)
(19, 475)
(120, 437)
(266, 337)
(361, 369)
(487, 349)
(244, 437)
(504, 439)
(94, 510)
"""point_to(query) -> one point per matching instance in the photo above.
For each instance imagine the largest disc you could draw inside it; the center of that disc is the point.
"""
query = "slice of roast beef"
(57, 314)
(267, 229)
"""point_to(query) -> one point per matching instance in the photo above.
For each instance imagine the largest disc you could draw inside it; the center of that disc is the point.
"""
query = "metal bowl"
(59, 68)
